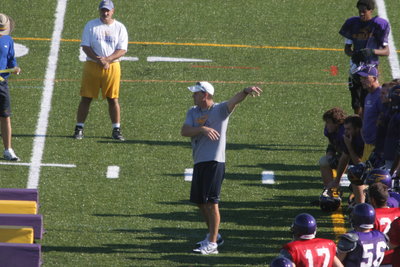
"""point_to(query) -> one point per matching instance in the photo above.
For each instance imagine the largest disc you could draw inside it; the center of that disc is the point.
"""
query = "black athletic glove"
(362, 55)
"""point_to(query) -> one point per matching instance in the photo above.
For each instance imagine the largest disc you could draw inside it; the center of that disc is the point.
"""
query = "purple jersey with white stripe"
(367, 34)
(370, 249)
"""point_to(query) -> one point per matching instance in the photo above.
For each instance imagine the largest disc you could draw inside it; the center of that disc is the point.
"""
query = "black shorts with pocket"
(206, 182)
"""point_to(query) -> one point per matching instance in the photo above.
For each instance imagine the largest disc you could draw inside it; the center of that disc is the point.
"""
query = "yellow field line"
(338, 222)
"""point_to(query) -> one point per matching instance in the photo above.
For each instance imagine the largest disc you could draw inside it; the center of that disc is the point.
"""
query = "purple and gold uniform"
(366, 34)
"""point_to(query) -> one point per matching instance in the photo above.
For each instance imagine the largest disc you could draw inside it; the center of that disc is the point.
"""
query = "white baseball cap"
(202, 87)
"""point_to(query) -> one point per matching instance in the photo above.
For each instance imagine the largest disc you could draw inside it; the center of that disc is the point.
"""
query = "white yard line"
(41, 127)
(42, 165)
(393, 57)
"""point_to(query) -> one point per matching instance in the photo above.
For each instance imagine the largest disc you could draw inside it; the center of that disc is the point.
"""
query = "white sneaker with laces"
(9, 154)
(204, 242)
(207, 249)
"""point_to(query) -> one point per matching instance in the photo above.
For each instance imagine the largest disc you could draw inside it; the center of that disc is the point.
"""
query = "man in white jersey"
(105, 41)
(206, 124)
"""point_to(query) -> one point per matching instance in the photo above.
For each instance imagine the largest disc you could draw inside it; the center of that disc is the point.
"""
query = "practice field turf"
(291, 49)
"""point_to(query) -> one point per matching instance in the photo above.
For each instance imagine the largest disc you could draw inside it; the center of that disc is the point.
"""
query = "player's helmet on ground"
(394, 96)
(356, 173)
(379, 175)
(328, 203)
(281, 262)
(304, 226)
(363, 216)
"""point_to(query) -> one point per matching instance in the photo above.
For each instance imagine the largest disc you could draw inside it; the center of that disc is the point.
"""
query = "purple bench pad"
(20, 255)
(35, 221)
(19, 194)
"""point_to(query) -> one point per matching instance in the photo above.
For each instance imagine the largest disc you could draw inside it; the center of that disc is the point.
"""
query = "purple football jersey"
(370, 250)
(369, 34)
(336, 138)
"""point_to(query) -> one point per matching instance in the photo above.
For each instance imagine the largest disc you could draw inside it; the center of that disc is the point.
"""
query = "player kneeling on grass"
(362, 246)
(206, 124)
(7, 61)
(306, 249)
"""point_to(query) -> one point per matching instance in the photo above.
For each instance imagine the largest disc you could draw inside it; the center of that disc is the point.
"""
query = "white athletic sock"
(80, 124)
(116, 125)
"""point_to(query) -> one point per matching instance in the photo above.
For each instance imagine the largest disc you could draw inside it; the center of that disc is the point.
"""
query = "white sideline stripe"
(188, 174)
(41, 127)
(175, 59)
(393, 58)
(268, 177)
(42, 165)
(113, 172)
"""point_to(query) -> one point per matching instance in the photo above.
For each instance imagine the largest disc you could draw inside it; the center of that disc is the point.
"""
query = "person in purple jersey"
(376, 158)
(392, 141)
(362, 246)
(366, 38)
(7, 61)
(334, 131)
(352, 147)
(372, 108)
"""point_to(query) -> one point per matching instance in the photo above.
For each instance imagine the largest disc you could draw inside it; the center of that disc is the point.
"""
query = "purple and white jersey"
(370, 250)
(366, 34)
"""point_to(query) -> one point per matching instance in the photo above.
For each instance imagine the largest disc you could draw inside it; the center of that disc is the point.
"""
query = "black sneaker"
(116, 134)
(78, 133)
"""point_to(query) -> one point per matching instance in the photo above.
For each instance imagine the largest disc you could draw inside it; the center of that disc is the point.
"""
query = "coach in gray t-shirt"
(206, 124)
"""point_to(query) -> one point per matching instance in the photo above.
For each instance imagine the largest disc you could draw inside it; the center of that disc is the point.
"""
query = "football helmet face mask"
(304, 226)
(281, 262)
(363, 216)
(379, 175)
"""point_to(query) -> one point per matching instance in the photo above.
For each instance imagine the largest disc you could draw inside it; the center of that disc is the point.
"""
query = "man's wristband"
(244, 91)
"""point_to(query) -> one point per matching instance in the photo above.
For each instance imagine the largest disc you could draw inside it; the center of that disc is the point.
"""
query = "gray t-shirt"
(216, 117)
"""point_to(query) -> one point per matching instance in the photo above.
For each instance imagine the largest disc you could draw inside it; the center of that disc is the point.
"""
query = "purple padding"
(20, 255)
(19, 194)
(35, 221)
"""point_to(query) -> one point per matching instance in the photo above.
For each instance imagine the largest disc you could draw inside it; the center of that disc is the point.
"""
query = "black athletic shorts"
(358, 93)
(5, 108)
(206, 182)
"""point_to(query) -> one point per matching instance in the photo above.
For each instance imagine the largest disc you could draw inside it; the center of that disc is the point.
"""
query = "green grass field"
(144, 218)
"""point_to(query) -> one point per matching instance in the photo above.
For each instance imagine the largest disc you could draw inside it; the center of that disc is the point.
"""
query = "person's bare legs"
(83, 109)
(6, 131)
(114, 110)
(211, 215)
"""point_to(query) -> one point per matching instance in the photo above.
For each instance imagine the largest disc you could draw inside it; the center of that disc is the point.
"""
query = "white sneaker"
(9, 154)
(209, 248)
(204, 242)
